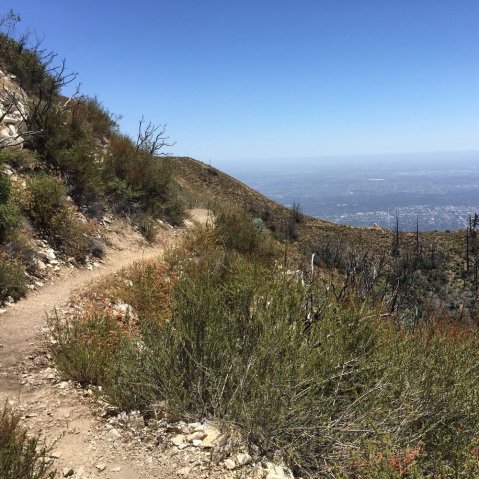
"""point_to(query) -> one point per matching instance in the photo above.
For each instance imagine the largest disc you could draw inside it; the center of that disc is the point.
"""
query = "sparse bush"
(21, 456)
(149, 228)
(97, 248)
(9, 220)
(12, 279)
(174, 208)
(47, 207)
(69, 235)
(296, 213)
(20, 159)
(87, 348)
(237, 231)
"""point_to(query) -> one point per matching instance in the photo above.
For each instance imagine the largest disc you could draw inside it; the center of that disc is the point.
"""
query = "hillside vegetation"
(222, 330)
(64, 165)
(412, 276)
(341, 351)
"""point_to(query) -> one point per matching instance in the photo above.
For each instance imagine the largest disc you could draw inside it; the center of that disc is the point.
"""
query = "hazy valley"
(441, 189)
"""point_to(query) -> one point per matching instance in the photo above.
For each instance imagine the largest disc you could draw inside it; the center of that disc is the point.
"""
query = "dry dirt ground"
(83, 444)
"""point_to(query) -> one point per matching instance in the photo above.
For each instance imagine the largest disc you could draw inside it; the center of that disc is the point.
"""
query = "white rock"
(243, 458)
(178, 440)
(50, 254)
(212, 434)
(135, 420)
(278, 471)
(229, 464)
(41, 265)
(184, 472)
(124, 309)
(196, 435)
(114, 434)
(101, 466)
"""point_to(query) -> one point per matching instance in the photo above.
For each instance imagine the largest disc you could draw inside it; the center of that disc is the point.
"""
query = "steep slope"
(210, 186)
(426, 273)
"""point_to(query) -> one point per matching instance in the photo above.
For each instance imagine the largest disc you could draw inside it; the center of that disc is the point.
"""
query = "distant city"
(441, 190)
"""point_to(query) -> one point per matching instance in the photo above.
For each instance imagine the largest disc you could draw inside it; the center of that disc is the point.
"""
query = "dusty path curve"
(83, 444)
(22, 323)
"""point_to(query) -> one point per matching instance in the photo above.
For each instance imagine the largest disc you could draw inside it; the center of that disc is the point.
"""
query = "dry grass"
(21, 456)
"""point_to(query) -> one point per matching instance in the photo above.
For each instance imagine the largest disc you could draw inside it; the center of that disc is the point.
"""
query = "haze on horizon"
(277, 79)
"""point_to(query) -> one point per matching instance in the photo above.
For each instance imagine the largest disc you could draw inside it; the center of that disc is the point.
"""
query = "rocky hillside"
(13, 111)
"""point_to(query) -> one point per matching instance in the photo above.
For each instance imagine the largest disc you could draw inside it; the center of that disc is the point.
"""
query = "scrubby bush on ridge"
(46, 206)
(333, 386)
(80, 138)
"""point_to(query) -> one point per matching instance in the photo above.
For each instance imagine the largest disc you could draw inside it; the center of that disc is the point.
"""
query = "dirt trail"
(21, 325)
(67, 417)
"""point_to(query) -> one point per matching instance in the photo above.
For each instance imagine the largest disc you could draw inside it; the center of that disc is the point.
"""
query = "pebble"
(243, 459)
(229, 464)
(68, 471)
(178, 440)
(185, 471)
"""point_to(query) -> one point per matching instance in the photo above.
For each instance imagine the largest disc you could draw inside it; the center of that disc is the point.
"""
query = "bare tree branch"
(151, 138)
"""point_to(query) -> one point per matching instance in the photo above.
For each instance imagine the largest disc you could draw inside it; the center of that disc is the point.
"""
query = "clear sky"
(239, 79)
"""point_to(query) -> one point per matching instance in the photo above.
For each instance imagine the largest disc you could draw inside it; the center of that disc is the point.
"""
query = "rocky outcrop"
(13, 112)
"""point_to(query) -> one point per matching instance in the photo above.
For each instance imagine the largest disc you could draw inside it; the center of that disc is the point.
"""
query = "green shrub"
(47, 207)
(149, 228)
(81, 164)
(143, 180)
(9, 214)
(331, 385)
(92, 118)
(97, 350)
(12, 279)
(47, 196)
(239, 348)
(238, 231)
(20, 159)
(87, 348)
(5, 187)
(9, 220)
(123, 196)
(21, 456)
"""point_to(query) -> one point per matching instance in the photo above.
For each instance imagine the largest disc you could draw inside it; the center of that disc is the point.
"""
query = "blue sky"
(242, 79)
